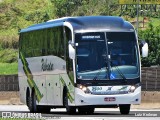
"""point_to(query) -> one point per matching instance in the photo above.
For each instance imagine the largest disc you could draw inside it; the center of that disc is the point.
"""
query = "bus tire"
(70, 109)
(124, 109)
(43, 109)
(32, 103)
(27, 97)
(86, 110)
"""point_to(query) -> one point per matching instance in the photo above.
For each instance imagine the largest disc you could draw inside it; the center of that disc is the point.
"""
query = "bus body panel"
(46, 72)
(22, 88)
(53, 84)
(40, 81)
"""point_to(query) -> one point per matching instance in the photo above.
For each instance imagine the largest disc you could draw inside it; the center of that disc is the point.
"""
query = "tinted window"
(43, 43)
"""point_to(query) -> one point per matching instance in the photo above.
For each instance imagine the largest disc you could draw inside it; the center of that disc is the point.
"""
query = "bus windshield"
(107, 56)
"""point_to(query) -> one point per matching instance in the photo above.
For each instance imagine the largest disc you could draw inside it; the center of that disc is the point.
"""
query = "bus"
(80, 63)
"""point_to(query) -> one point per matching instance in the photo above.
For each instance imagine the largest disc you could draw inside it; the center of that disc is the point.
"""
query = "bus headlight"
(133, 88)
(83, 88)
(80, 86)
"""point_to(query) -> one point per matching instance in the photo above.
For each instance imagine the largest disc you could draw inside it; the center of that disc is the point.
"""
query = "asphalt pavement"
(21, 111)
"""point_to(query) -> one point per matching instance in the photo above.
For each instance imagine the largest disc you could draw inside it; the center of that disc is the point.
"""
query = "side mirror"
(144, 49)
(71, 50)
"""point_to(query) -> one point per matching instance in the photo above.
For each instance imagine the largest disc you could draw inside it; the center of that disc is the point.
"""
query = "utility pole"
(108, 7)
(137, 16)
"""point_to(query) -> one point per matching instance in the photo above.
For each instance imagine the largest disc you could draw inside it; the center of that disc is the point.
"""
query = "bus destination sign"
(92, 36)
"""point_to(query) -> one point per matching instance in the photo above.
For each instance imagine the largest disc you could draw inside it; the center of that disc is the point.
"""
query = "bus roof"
(86, 23)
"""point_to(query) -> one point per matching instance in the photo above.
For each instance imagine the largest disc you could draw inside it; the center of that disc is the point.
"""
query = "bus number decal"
(96, 88)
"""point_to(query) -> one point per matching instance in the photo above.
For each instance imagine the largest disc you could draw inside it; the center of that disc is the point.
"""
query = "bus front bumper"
(83, 99)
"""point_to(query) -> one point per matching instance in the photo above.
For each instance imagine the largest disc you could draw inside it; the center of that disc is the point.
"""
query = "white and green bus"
(80, 63)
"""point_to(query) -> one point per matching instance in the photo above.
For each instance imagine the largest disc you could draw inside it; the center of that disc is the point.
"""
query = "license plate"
(108, 99)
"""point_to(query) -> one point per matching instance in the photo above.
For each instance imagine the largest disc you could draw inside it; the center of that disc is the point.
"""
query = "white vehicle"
(80, 62)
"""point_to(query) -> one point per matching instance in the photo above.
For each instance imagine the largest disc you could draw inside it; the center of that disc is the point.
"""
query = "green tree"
(83, 7)
(152, 37)
(65, 7)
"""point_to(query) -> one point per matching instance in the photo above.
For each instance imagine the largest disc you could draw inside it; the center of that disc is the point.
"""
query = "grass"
(19, 14)
(155, 22)
(8, 61)
(8, 68)
(8, 55)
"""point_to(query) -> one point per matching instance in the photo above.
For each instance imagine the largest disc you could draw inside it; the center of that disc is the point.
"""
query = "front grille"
(109, 93)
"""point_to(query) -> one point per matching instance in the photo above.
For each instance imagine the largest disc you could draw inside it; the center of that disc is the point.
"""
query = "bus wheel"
(69, 109)
(43, 109)
(27, 98)
(124, 109)
(32, 103)
(86, 110)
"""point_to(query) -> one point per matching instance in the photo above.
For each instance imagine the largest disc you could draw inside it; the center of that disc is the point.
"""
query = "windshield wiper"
(120, 72)
(97, 75)
(86, 71)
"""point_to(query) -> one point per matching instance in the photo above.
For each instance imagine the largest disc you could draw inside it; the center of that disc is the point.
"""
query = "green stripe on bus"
(30, 80)
(24, 62)
(71, 77)
(70, 97)
(63, 83)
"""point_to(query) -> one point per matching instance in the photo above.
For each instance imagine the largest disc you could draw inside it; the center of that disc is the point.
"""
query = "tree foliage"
(82, 7)
(18, 14)
(152, 37)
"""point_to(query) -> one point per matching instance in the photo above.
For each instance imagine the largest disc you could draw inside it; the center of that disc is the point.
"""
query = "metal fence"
(150, 80)
(9, 83)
